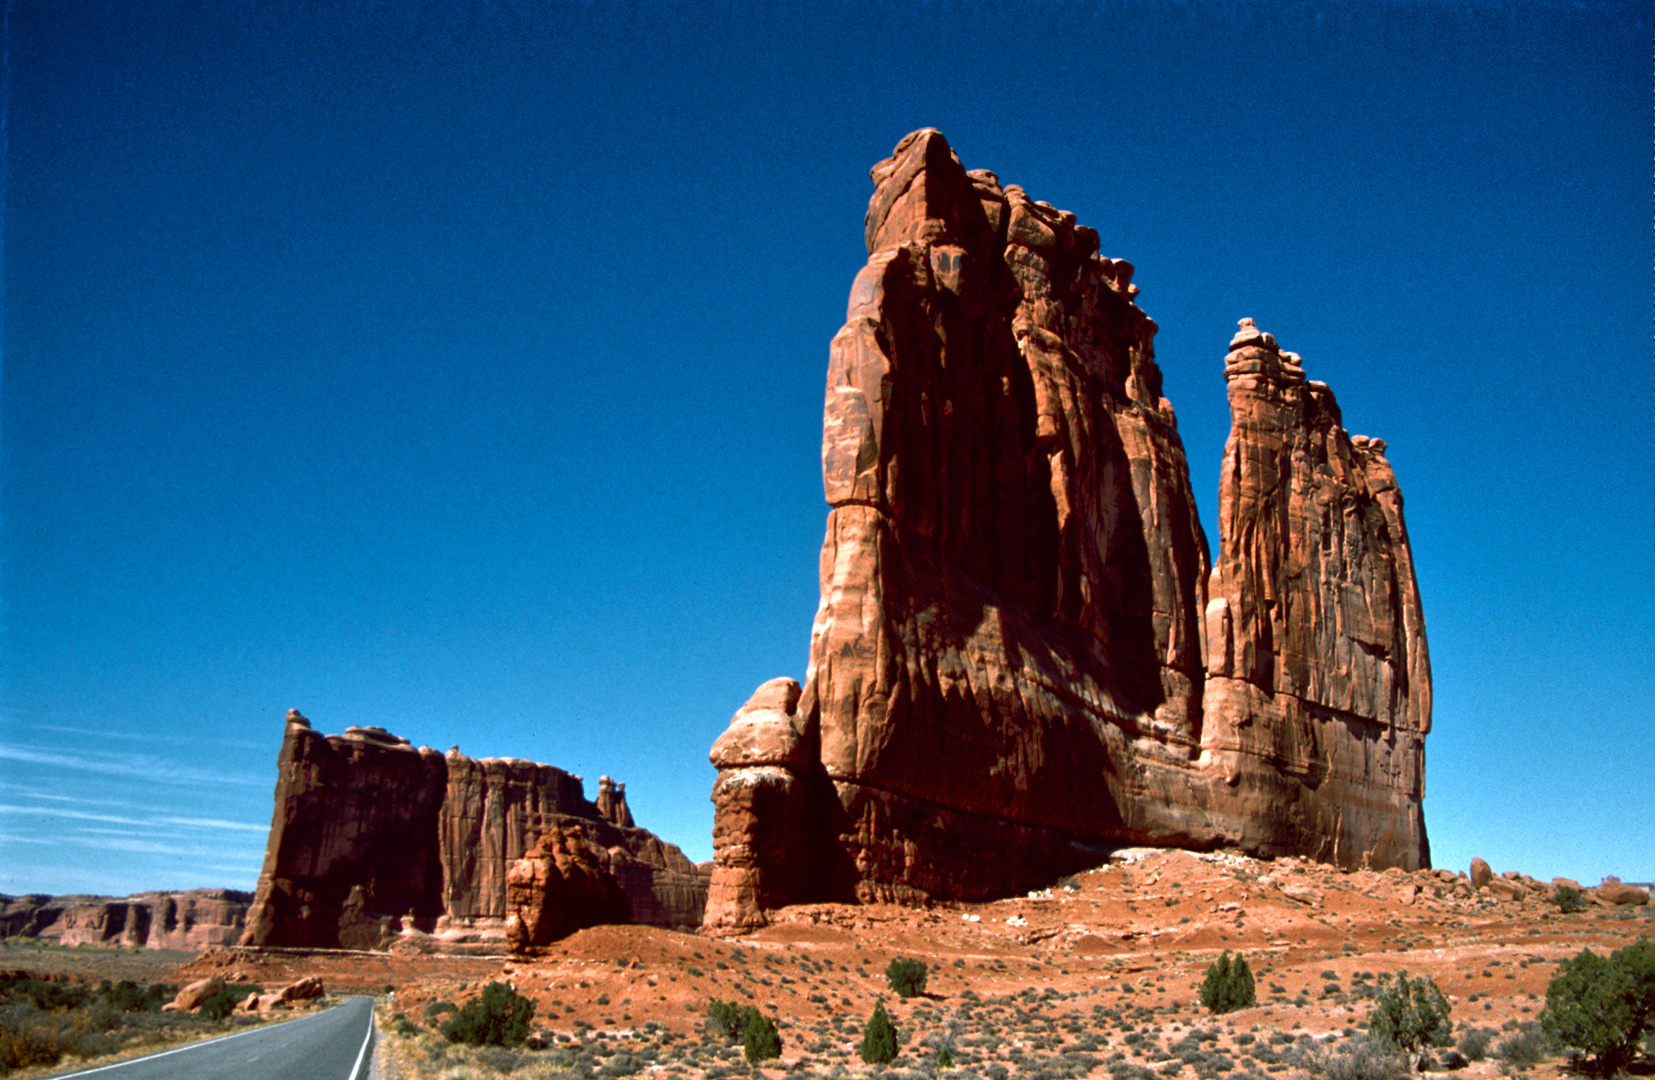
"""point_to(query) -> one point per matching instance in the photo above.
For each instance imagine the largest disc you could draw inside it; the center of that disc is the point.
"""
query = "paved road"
(333, 1045)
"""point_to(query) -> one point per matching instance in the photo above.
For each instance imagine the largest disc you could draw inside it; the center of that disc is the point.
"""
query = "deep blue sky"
(461, 372)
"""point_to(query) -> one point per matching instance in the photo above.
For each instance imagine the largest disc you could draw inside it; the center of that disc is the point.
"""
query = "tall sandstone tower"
(1023, 657)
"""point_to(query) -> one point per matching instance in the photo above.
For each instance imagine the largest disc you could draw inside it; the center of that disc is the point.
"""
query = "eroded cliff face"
(1010, 651)
(372, 838)
(1318, 693)
(195, 920)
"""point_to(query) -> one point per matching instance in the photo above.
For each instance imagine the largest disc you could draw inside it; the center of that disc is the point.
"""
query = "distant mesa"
(374, 843)
(196, 920)
(1025, 654)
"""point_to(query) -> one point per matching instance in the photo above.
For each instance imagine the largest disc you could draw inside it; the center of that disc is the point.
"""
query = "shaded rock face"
(196, 920)
(371, 837)
(1013, 651)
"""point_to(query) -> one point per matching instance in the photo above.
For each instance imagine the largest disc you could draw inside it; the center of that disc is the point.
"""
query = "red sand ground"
(1134, 934)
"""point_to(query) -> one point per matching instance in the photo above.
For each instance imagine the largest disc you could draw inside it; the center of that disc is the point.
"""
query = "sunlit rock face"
(1012, 668)
(1318, 694)
(372, 838)
(195, 920)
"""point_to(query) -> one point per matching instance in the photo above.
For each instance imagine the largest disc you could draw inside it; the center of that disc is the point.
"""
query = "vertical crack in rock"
(1015, 651)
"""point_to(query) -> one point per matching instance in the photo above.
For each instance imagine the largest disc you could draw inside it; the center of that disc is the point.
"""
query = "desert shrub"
(50, 996)
(760, 1041)
(1524, 1050)
(907, 977)
(1121, 1070)
(1354, 1059)
(1603, 1006)
(434, 1009)
(497, 1017)
(1474, 1043)
(25, 1041)
(1228, 986)
(496, 1059)
(220, 1005)
(1411, 1015)
(879, 1038)
(1568, 899)
(723, 1020)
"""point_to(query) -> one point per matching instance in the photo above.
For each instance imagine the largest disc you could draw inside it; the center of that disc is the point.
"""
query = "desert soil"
(1105, 966)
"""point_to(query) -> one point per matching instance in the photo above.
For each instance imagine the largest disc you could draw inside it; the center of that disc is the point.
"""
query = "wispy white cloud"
(51, 796)
(105, 839)
(131, 845)
(73, 815)
(136, 766)
(215, 823)
(8, 838)
(55, 812)
(150, 736)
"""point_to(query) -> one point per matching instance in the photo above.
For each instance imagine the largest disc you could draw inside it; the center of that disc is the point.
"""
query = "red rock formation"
(1009, 651)
(561, 885)
(371, 837)
(769, 806)
(612, 802)
(1318, 695)
(196, 920)
(1616, 893)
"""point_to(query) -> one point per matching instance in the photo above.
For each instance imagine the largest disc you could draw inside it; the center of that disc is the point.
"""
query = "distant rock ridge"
(373, 840)
(1022, 657)
(195, 920)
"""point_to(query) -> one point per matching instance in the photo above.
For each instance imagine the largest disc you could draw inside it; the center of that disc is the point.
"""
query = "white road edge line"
(357, 1068)
(191, 1046)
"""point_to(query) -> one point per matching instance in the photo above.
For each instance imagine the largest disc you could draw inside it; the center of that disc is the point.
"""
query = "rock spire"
(1015, 650)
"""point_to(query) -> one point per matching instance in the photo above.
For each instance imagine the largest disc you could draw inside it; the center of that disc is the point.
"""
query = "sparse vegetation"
(1353, 1059)
(44, 1021)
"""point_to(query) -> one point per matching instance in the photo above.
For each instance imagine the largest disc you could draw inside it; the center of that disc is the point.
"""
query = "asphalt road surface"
(333, 1045)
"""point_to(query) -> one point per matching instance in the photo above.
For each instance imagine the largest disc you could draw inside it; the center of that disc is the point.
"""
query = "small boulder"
(1304, 894)
(304, 990)
(767, 730)
(195, 993)
(1481, 873)
(1612, 891)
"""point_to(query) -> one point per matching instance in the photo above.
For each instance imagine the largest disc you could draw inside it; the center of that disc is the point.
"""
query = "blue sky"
(459, 371)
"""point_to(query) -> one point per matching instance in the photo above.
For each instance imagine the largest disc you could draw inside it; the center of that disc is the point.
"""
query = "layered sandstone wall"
(196, 920)
(371, 838)
(1011, 652)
